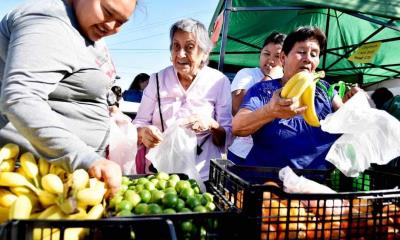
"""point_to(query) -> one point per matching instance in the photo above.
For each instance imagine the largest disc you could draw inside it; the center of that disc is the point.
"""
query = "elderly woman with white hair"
(189, 90)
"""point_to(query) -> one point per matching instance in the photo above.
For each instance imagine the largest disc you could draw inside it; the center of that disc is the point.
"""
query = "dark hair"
(117, 91)
(302, 34)
(380, 96)
(141, 77)
(274, 37)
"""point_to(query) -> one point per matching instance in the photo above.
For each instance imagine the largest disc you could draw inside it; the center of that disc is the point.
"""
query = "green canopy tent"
(366, 30)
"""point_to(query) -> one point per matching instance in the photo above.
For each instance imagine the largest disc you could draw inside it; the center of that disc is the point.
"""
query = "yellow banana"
(4, 212)
(44, 166)
(10, 150)
(89, 197)
(7, 165)
(52, 213)
(80, 179)
(59, 171)
(20, 190)
(46, 199)
(30, 167)
(52, 183)
(7, 198)
(21, 208)
(299, 82)
(310, 115)
(13, 179)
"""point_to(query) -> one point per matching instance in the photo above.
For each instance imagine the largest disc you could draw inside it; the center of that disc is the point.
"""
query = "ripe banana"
(52, 184)
(10, 150)
(44, 166)
(310, 115)
(13, 179)
(30, 167)
(298, 83)
(4, 212)
(7, 165)
(7, 198)
(21, 208)
(80, 179)
(46, 198)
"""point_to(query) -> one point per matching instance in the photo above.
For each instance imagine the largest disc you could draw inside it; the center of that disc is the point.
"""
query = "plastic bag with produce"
(177, 152)
(369, 136)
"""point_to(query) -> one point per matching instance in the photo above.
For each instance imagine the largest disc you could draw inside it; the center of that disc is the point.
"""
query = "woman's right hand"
(151, 136)
(284, 107)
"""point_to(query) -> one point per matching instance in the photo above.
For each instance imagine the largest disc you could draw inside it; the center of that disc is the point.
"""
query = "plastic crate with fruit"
(267, 212)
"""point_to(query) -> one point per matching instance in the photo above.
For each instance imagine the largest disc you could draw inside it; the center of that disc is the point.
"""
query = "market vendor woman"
(280, 134)
(56, 72)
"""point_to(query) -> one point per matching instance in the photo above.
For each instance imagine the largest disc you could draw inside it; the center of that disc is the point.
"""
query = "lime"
(171, 183)
(186, 192)
(170, 190)
(156, 196)
(139, 187)
(149, 186)
(209, 197)
(142, 180)
(132, 197)
(124, 213)
(145, 195)
(196, 189)
(182, 184)
(141, 208)
(170, 200)
(210, 206)
(149, 177)
(185, 210)
(124, 205)
(123, 188)
(125, 180)
(192, 182)
(192, 202)
(154, 208)
(200, 208)
(179, 205)
(161, 184)
(162, 176)
(115, 200)
(169, 211)
(187, 226)
(154, 181)
(174, 177)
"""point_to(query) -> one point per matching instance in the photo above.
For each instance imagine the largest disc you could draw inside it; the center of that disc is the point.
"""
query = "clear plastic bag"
(123, 144)
(177, 153)
(369, 136)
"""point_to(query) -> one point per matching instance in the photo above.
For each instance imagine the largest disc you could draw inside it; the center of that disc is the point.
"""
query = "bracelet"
(266, 75)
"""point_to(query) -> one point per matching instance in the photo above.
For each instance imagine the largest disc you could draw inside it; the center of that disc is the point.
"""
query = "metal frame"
(228, 8)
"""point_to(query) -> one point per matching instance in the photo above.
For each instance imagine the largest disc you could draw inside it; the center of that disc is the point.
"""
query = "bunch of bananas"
(302, 86)
(40, 190)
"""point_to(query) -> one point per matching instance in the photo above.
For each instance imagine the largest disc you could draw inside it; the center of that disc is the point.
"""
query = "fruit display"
(302, 85)
(164, 194)
(33, 188)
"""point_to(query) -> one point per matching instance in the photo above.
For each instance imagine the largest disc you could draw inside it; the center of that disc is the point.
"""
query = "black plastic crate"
(216, 225)
(267, 212)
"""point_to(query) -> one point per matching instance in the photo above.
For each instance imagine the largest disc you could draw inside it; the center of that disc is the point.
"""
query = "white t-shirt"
(244, 79)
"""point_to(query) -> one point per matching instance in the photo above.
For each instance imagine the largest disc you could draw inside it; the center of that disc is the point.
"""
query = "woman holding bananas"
(282, 115)
(55, 72)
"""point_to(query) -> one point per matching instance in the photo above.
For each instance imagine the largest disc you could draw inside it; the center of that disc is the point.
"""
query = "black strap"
(199, 150)
(159, 103)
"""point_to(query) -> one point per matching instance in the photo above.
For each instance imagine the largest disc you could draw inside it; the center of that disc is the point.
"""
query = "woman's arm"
(237, 98)
(247, 122)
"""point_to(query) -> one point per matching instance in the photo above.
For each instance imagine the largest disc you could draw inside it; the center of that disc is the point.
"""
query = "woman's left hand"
(200, 123)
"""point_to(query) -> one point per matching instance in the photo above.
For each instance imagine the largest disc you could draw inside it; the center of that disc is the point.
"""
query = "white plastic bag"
(295, 184)
(369, 136)
(123, 144)
(177, 153)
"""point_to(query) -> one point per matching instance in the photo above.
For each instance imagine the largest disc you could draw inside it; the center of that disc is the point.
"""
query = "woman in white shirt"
(270, 67)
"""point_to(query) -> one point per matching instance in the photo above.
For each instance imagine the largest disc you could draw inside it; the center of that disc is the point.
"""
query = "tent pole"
(225, 25)
(327, 35)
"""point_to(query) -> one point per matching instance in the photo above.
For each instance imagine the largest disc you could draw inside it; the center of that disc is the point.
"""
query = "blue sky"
(143, 43)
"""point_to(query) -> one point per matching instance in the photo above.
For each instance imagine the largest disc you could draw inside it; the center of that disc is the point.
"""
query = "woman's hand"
(150, 136)
(284, 107)
(350, 93)
(200, 123)
(109, 172)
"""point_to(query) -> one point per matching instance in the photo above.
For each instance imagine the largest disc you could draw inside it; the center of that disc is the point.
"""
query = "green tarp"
(347, 24)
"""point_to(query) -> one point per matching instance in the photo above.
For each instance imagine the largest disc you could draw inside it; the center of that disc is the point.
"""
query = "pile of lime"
(161, 193)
